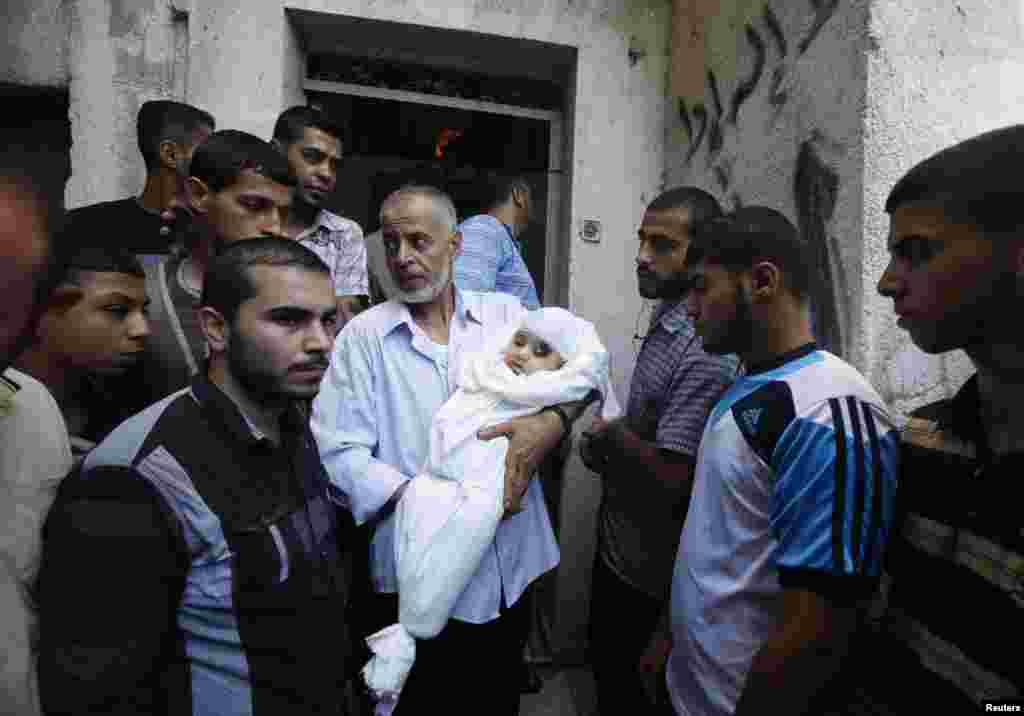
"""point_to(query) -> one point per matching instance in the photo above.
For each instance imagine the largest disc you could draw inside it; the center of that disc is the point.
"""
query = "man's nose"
(138, 327)
(891, 283)
(318, 339)
(274, 225)
(403, 253)
(643, 254)
(692, 306)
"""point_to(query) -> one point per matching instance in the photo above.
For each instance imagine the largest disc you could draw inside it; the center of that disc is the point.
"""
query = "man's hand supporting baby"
(531, 438)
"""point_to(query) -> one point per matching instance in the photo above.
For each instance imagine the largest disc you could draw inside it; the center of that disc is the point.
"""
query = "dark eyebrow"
(123, 297)
(893, 242)
(288, 312)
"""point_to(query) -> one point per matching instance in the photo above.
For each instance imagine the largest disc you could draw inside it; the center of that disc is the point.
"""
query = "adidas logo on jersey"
(751, 418)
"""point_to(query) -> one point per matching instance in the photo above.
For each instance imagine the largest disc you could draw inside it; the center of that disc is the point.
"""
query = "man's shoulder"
(20, 390)
(481, 224)
(101, 207)
(492, 308)
(108, 215)
(337, 223)
(821, 376)
(124, 446)
(375, 322)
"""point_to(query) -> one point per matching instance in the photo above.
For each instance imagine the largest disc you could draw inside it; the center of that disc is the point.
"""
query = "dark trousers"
(622, 620)
(468, 668)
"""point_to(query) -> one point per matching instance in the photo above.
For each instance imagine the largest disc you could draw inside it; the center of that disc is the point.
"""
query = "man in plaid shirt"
(311, 141)
(646, 458)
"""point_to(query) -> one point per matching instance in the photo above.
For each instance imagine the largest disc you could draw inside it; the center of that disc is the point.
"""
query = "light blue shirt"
(372, 420)
(490, 261)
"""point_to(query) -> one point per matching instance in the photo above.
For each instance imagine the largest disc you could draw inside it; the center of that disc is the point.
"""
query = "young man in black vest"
(201, 562)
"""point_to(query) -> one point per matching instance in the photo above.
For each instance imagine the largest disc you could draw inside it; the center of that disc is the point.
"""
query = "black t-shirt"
(126, 224)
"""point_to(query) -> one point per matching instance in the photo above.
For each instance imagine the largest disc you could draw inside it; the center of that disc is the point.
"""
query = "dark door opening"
(35, 124)
(393, 143)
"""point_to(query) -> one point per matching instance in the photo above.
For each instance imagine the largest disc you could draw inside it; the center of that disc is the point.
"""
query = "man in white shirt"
(392, 368)
(34, 449)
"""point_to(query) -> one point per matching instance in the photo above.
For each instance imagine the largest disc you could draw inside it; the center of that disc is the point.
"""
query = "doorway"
(399, 137)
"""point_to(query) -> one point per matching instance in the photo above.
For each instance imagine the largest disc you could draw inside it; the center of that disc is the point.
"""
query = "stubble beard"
(439, 282)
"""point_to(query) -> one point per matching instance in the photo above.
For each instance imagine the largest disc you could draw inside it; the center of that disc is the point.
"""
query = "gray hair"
(444, 208)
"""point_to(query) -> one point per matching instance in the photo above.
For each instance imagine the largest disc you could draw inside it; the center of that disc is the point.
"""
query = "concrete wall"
(938, 72)
(33, 48)
(765, 109)
(816, 108)
(121, 53)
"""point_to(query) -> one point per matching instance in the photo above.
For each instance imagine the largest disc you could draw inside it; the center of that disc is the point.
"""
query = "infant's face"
(526, 354)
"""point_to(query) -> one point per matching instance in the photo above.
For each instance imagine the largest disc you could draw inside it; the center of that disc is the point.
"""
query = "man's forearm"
(627, 451)
(576, 408)
(791, 668)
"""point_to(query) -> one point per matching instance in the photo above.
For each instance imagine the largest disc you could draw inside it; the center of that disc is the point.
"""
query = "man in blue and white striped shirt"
(491, 259)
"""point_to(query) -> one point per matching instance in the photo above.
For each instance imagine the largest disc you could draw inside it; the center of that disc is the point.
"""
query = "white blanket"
(449, 513)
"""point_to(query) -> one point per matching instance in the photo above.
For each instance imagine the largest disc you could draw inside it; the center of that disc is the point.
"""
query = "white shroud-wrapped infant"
(448, 515)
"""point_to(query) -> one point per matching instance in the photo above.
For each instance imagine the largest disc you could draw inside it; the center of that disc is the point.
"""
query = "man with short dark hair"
(392, 368)
(92, 330)
(158, 219)
(793, 493)
(208, 555)
(312, 142)
(646, 457)
(34, 450)
(955, 613)
(491, 259)
(240, 188)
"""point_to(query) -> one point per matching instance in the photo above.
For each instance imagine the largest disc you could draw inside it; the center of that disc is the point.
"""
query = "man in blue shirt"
(793, 491)
(491, 259)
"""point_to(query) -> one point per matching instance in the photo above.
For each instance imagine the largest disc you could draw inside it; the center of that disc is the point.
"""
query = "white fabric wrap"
(447, 518)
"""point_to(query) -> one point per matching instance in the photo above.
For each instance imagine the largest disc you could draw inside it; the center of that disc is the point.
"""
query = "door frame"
(557, 176)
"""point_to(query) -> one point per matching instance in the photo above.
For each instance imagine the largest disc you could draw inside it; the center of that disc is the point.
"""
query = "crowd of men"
(205, 430)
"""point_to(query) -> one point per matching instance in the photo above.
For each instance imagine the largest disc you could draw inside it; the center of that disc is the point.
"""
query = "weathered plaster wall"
(121, 54)
(33, 48)
(938, 72)
(765, 108)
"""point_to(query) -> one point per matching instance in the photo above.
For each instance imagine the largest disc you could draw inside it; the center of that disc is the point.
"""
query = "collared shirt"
(794, 488)
(490, 261)
(34, 457)
(339, 242)
(372, 422)
(210, 570)
(673, 387)
(952, 628)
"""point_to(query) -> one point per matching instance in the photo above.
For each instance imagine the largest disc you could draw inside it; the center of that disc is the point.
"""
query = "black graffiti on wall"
(823, 12)
(746, 88)
(703, 122)
(816, 184)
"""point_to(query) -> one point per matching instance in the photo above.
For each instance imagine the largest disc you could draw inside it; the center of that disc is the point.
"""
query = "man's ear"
(456, 240)
(215, 329)
(198, 195)
(519, 197)
(1018, 259)
(170, 154)
(765, 281)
